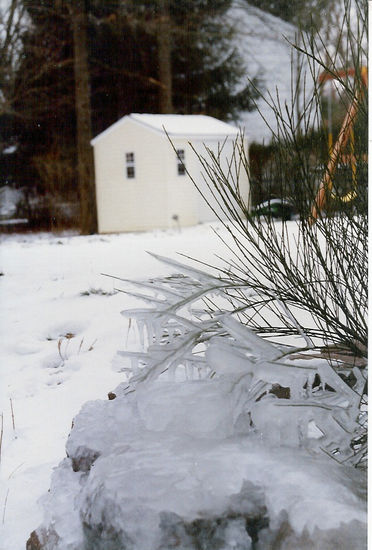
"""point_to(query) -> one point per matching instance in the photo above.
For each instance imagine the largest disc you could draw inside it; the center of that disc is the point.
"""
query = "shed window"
(181, 169)
(130, 165)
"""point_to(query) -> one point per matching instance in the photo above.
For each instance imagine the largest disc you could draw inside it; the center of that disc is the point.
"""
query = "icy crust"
(169, 468)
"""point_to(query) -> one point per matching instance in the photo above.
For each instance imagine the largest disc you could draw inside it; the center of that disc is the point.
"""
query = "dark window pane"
(130, 172)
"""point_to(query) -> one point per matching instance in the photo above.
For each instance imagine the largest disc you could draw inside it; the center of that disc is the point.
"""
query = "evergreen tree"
(180, 50)
(44, 99)
(142, 56)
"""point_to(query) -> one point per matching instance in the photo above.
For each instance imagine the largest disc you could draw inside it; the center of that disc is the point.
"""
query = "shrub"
(279, 282)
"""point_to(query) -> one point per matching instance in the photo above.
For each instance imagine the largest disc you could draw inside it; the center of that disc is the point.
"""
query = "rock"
(146, 471)
(352, 535)
(84, 459)
(33, 542)
(223, 533)
(42, 539)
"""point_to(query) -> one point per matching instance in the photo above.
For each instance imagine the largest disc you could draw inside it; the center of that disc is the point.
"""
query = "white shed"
(141, 184)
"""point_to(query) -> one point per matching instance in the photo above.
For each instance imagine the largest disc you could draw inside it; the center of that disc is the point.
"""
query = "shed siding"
(207, 206)
(158, 197)
(182, 199)
(130, 204)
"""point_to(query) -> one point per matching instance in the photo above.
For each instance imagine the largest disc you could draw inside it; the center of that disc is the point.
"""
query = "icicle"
(171, 373)
(189, 372)
(309, 383)
(158, 331)
(297, 387)
(361, 381)
(134, 365)
(141, 329)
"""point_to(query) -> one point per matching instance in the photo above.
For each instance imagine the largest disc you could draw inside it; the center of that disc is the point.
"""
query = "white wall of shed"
(158, 193)
(182, 199)
(194, 203)
(229, 153)
(136, 204)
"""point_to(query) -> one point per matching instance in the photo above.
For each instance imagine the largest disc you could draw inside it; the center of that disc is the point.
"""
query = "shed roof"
(189, 126)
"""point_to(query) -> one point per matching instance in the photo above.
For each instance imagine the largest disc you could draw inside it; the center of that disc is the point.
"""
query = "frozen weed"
(98, 292)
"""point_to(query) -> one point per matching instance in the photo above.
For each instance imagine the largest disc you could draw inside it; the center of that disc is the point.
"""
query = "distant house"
(141, 173)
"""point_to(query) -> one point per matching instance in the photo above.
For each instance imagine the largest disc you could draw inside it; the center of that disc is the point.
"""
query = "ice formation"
(218, 440)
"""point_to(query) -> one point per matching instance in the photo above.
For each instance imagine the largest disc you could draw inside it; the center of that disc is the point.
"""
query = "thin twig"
(81, 345)
(15, 469)
(12, 411)
(5, 503)
(1, 433)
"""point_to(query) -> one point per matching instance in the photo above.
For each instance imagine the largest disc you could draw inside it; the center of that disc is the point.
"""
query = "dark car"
(279, 209)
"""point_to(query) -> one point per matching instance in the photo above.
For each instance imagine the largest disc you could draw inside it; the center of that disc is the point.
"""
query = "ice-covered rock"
(167, 467)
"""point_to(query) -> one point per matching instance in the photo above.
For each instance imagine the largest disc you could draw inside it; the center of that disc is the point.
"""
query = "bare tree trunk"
(165, 59)
(86, 184)
(8, 29)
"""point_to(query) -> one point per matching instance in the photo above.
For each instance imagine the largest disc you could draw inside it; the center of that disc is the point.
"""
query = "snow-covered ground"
(60, 330)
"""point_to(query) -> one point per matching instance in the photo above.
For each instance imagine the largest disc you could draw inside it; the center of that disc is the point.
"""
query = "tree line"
(70, 68)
